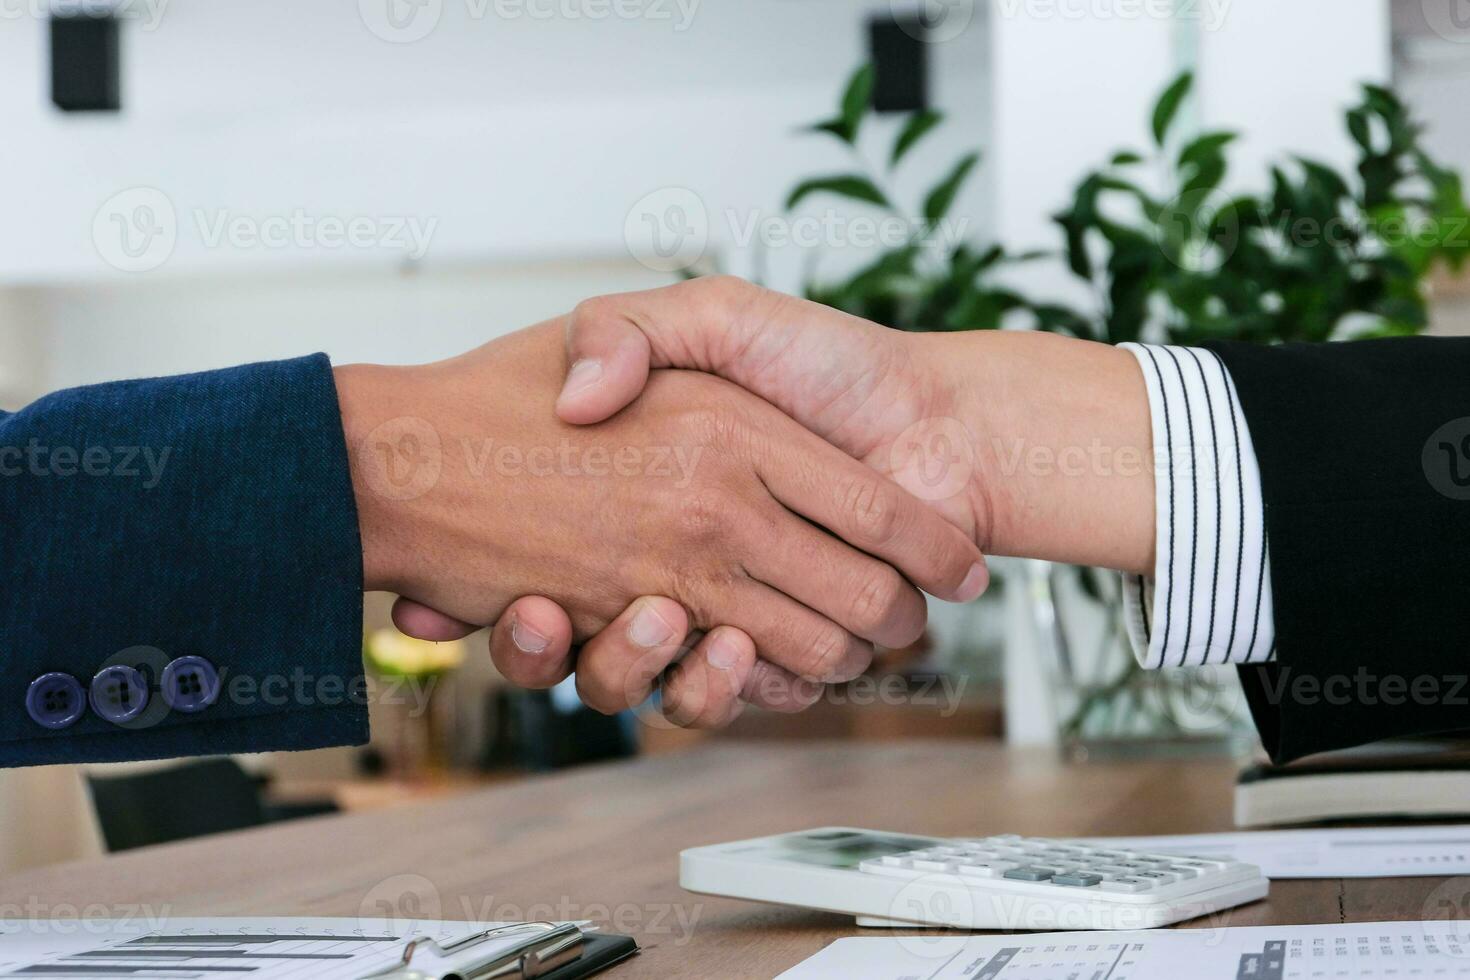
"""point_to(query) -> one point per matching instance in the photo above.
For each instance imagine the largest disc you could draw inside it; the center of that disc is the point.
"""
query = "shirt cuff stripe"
(1209, 599)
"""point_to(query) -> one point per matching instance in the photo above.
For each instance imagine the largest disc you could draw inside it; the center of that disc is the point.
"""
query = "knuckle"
(878, 600)
(594, 309)
(725, 291)
(705, 514)
(873, 511)
(826, 654)
(686, 699)
(723, 427)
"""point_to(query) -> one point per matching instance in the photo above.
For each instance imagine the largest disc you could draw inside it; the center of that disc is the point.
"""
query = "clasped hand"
(699, 538)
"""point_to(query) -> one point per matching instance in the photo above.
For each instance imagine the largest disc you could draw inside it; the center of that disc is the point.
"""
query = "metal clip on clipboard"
(545, 947)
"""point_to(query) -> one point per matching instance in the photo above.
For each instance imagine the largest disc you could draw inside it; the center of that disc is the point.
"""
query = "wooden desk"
(603, 843)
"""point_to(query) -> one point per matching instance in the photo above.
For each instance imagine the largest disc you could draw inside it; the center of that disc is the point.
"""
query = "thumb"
(609, 358)
(419, 621)
(613, 341)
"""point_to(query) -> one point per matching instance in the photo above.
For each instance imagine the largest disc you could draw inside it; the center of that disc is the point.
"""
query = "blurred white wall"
(517, 136)
(157, 326)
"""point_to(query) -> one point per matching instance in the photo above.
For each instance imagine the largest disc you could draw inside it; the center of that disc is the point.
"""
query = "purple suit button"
(119, 693)
(55, 700)
(189, 684)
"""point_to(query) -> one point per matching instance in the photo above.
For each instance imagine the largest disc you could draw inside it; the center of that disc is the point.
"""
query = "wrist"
(1062, 445)
(389, 464)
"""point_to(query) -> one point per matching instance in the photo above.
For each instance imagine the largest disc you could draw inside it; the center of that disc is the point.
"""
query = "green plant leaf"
(1168, 105)
(836, 127)
(1322, 179)
(856, 99)
(1202, 149)
(919, 123)
(938, 203)
(1360, 129)
(853, 186)
(1206, 177)
(1124, 158)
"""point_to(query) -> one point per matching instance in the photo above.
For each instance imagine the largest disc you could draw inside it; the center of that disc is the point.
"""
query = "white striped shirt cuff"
(1209, 600)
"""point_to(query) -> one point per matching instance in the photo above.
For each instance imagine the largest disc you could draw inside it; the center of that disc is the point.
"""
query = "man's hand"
(701, 499)
(1033, 444)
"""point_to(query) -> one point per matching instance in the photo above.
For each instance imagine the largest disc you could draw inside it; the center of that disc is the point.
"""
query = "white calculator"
(1006, 882)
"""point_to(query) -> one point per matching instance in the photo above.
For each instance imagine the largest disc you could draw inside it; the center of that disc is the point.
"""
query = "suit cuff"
(236, 547)
(1209, 598)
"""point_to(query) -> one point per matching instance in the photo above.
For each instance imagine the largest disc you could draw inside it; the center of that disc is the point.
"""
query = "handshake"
(729, 493)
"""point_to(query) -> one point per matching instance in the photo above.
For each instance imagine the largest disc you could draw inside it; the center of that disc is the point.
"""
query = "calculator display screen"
(845, 848)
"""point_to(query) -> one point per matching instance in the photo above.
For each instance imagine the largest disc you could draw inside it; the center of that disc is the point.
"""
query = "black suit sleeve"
(1364, 451)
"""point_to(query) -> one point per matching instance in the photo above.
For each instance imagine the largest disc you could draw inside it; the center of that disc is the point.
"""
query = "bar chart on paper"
(210, 948)
(1375, 950)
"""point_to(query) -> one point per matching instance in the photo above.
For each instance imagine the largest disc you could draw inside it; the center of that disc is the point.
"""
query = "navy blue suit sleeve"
(208, 515)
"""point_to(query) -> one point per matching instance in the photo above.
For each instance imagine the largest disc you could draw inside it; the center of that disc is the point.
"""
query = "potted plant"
(1169, 257)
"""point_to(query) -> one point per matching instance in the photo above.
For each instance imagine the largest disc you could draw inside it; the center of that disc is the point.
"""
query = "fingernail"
(526, 639)
(649, 629)
(723, 654)
(974, 584)
(583, 375)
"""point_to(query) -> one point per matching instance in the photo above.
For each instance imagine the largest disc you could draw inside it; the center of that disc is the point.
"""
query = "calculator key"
(1206, 864)
(1183, 872)
(932, 864)
(1157, 877)
(895, 861)
(982, 869)
(1125, 885)
(1030, 873)
(1076, 879)
(904, 870)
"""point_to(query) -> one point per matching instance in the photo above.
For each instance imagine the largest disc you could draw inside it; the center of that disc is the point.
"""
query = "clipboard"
(541, 951)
